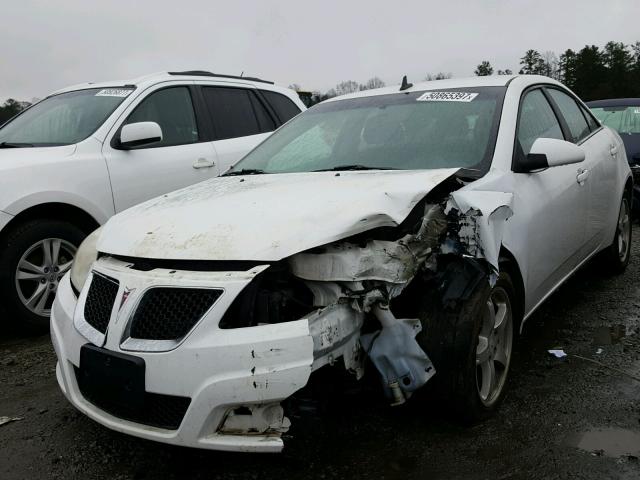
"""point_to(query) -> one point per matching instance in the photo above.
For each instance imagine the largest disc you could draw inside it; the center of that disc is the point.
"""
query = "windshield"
(63, 119)
(623, 119)
(417, 130)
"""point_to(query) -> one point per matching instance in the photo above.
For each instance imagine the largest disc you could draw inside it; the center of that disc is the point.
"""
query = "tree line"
(10, 108)
(593, 73)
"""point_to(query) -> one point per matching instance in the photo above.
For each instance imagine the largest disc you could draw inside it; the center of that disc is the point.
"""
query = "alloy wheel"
(495, 344)
(39, 272)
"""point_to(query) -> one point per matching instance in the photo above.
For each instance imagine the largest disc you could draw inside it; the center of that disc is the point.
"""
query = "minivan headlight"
(85, 256)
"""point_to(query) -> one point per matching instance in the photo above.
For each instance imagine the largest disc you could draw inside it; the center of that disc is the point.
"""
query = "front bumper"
(218, 369)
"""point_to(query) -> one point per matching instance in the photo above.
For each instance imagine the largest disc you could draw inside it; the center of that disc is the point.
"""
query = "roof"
(615, 102)
(450, 83)
(154, 78)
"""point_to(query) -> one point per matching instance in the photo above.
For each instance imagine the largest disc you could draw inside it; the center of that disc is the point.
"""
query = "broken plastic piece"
(482, 222)
(256, 419)
(335, 331)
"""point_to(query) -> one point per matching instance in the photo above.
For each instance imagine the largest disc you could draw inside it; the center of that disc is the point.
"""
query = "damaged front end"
(348, 291)
(226, 342)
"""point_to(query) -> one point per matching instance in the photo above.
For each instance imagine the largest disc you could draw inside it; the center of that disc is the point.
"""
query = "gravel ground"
(562, 418)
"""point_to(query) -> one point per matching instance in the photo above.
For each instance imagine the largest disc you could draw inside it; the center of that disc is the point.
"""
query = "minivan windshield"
(623, 119)
(407, 131)
(62, 119)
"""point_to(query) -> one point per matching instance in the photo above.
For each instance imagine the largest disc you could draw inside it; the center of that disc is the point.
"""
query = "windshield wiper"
(344, 168)
(245, 171)
(15, 145)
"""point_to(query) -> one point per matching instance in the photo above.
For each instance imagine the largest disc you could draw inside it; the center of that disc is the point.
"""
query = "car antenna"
(405, 85)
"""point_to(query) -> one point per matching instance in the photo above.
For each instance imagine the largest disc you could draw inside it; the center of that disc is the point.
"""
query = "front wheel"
(471, 348)
(34, 256)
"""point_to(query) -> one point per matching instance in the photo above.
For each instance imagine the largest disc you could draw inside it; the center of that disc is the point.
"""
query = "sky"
(49, 44)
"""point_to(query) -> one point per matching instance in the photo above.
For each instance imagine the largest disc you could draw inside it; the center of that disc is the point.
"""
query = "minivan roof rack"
(202, 73)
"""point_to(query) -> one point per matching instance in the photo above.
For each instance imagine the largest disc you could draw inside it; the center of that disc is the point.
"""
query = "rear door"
(240, 120)
(598, 168)
(183, 157)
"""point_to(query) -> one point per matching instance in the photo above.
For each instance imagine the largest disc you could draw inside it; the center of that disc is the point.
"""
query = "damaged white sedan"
(408, 232)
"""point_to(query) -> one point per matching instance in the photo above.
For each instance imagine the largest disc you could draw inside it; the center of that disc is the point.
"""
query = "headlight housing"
(85, 256)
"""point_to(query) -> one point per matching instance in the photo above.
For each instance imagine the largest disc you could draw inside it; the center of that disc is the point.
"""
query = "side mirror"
(550, 152)
(138, 134)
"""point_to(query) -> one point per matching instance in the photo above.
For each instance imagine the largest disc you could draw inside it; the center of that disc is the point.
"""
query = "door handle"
(203, 163)
(613, 150)
(582, 176)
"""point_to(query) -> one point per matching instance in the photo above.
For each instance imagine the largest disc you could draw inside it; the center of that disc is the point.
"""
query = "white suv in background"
(83, 153)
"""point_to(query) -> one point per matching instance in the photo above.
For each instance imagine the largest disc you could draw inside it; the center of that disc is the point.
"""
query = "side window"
(236, 112)
(537, 120)
(284, 107)
(172, 109)
(593, 123)
(571, 113)
(265, 121)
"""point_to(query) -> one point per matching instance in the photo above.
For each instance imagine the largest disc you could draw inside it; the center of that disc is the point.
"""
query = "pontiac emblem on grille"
(125, 295)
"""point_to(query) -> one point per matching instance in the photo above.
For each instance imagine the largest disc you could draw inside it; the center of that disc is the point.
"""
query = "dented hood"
(266, 217)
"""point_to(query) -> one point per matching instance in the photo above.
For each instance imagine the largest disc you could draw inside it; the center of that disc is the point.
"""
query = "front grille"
(100, 300)
(170, 313)
(162, 411)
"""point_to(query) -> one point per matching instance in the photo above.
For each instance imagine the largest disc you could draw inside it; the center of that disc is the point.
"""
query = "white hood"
(266, 217)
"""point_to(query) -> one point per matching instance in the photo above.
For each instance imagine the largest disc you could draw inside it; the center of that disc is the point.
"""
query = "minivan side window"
(537, 120)
(236, 112)
(284, 107)
(571, 113)
(172, 109)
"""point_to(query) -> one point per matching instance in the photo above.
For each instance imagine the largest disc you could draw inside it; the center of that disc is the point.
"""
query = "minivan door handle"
(582, 176)
(203, 163)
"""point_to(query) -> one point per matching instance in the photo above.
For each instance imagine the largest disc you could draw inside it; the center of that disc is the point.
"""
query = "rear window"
(284, 107)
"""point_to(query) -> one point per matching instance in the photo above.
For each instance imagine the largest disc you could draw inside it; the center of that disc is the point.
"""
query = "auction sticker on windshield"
(446, 97)
(114, 92)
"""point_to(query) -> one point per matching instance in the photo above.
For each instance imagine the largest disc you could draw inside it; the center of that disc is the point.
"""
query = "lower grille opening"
(162, 411)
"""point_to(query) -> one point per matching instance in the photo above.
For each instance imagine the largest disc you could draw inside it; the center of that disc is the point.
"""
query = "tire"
(615, 258)
(451, 337)
(28, 291)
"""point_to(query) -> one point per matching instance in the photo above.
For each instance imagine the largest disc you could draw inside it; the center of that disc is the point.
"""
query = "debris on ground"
(558, 353)
(6, 420)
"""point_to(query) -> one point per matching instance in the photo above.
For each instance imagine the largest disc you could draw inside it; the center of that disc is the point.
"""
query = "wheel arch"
(55, 210)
